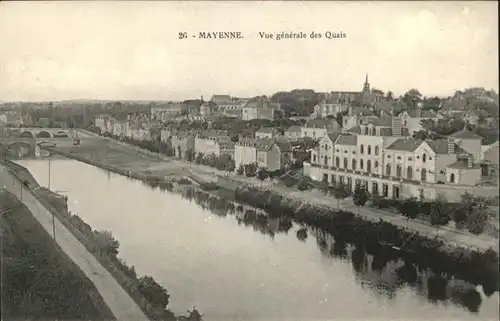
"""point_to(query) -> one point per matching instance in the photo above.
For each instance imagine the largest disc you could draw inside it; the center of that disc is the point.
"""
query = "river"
(230, 271)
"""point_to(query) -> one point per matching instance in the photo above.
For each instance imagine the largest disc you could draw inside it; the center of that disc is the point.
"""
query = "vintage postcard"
(249, 160)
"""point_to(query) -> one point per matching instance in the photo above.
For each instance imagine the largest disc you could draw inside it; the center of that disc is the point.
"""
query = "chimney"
(469, 161)
(396, 126)
(451, 146)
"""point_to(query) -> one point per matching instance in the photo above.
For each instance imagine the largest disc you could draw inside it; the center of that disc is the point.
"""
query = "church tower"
(366, 85)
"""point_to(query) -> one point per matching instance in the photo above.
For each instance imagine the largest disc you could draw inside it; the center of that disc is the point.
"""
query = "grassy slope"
(38, 280)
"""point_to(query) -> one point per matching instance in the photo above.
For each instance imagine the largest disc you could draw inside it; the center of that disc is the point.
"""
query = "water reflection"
(232, 273)
(375, 268)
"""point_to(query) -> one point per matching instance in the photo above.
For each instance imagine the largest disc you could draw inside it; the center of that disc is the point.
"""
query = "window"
(388, 170)
(399, 157)
(376, 150)
(424, 158)
(369, 150)
(345, 152)
(423, 175)
(353, 164)
(345, 163)
(361, 164)
(325, 177)
(326, 161)
(337, 150)
(398, 171)
(362, 149)
(409, 158)
(333, 179)
(409, 172)
(314, 158)
(337, 161)
(369, 166)
(374, 132)
(452, 178)
(366, 130)
(388, 156)
(376, 165)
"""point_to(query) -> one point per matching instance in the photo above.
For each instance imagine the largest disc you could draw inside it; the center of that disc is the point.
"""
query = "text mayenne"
(221, 35)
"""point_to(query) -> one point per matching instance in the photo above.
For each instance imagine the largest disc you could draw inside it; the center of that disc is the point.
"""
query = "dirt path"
(120, 303)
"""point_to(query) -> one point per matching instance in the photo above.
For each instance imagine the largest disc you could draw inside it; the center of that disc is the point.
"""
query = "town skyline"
(91, 51)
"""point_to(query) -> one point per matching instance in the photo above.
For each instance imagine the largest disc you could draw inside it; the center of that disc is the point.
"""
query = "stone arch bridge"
(30, 140)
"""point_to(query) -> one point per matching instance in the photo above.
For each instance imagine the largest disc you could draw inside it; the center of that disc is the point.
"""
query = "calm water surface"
(232, 272)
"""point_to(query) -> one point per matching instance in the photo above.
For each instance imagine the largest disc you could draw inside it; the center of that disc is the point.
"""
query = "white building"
(317, 128)
(389, 164)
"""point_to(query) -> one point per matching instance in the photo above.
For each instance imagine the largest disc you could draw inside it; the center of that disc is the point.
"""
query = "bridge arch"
(27, 134)
(44, 134)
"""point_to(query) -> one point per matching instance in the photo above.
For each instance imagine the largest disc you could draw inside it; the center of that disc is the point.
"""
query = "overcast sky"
(131, 50)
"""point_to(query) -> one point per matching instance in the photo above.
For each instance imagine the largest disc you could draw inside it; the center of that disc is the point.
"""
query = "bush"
(303, 185)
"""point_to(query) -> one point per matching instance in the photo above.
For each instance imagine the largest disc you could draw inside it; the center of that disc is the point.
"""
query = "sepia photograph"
(249, 160)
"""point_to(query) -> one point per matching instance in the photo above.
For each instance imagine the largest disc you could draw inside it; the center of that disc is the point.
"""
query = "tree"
(409, 209)
(106, 242)
(199, 158)
(389, 95)
(250, 170)
(439, 213)
(360, 197)
(262, 175)
(460, 216)
(477, 218)
(421, 135)
(153, 292)
(190, 155)
(240, 170)
(303, 185)
(324, 186)
(340, 192)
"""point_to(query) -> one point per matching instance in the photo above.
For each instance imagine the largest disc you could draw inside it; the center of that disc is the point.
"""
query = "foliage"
(303, 185)
(298, 102)
(250, 169)
(439, 213)
(360, 196)
(477, 219)
(106, 242)
(240, 170)
(409, 209)
(154, 293)
(262, 174)
(478, 268)
(380, 202)
(340, 192)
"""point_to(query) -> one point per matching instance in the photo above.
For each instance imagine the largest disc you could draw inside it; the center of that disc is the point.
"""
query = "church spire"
(366, 86)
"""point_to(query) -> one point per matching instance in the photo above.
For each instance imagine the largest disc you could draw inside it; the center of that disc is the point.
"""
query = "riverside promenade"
(116, 298)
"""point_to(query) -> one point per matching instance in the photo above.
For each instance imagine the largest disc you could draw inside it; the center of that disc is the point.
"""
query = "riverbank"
(428, 251)
(241, 250)
(38, 280)
(132, 161)
(149, 296)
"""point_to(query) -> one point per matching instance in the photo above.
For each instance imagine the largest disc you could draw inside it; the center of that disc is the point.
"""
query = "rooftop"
(293, 129)
(402, 144)
(267, 130)
(347, 140)
(323, 123)
(463, 164)
(465, 134)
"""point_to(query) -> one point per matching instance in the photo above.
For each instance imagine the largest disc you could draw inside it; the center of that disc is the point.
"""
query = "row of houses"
(380, 154)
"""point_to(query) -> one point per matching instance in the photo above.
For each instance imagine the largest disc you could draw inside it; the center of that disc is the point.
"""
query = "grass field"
(39, 282)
